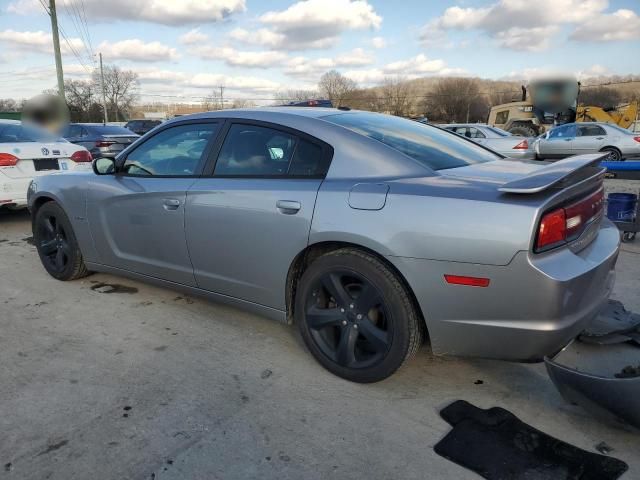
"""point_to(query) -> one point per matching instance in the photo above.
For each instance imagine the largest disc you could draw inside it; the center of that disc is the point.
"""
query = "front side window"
(430, 146)
(568, 131)
(176, 151)
(256, 151)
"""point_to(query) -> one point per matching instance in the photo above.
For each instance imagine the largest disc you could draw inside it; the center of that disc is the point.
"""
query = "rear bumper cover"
(532, 308)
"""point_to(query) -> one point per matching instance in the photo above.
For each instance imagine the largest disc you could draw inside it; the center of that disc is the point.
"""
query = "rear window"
(17, 133)
(432, 147)
(110, 130)
(620, 129)
(499, 131)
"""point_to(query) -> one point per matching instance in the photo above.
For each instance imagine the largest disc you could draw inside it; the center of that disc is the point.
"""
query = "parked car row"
(560, 142)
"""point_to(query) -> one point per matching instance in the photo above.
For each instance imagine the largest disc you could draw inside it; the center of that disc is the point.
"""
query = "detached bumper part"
(602, 377)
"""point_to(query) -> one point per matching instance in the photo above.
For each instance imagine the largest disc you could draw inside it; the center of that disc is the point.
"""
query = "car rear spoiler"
(555, 173)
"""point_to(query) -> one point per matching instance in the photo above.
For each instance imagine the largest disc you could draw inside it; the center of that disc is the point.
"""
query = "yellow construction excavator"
(550, 102)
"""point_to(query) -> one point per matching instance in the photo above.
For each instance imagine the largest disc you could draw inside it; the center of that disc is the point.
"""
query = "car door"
(477, 136)
(137, 215)
(247, 222)
(559, 142)
(589, 139)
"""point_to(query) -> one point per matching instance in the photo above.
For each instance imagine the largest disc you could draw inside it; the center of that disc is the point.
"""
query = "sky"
(183, 49)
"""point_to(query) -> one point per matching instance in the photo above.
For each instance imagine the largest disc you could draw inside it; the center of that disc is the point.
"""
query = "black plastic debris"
(497, 445)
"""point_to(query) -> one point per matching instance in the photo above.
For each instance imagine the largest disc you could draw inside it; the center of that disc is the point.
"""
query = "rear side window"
(590, 131)
(432, 147)
(257, 151)
(19, 133)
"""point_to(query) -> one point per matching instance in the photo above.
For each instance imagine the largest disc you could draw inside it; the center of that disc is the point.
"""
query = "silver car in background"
(496, 139)
(588, 137)
(369, 231)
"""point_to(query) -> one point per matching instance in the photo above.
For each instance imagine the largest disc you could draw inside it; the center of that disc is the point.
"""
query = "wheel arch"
(610, 147)
(307, 256)
(39, 202)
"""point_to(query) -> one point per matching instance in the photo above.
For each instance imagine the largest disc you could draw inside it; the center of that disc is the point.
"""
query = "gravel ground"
(140, 382)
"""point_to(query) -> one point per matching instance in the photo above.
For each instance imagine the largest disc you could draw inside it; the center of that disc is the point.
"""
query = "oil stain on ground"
(113, 288)
(53, 447)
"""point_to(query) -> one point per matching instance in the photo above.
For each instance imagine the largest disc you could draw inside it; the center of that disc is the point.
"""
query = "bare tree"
(396, 96)
(242, 103)
(604, 97)
(8, 105)
(336, 87)
(213, 101)
(456, 100)
(119, 86)
(293, 95)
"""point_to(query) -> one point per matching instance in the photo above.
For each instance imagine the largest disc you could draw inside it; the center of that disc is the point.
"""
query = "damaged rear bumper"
(601, 371)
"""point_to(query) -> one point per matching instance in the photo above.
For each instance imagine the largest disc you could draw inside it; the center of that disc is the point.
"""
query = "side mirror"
(104, 166)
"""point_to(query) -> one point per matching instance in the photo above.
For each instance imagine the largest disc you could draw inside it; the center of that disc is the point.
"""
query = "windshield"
(19, 133)
(432, 147)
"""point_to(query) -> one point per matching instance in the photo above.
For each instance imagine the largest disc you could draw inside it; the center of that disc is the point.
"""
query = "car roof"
(308, 112)
(9, 121)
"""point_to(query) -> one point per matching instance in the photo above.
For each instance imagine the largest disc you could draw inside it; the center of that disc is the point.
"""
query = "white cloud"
(516, 24)
(194, 37)
(618, 26)
(415, 67)
(316, 23)
(167, 12)
(314, 67)
(38, 41)
(417, 64)
(378, 42)
(534, 39)
(137, 50)
(236, 58)
(263, 37)
(242, 83)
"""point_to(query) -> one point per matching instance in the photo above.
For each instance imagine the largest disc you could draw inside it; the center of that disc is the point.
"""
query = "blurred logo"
(45, 151)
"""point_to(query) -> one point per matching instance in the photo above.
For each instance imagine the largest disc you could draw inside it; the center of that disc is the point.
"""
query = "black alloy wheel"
(356, 316)
(348, 319)
(56, 243)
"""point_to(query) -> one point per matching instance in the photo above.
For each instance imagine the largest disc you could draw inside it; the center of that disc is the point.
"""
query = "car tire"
(523, 130)
(356, 316)
(56, 243)
(614, 155)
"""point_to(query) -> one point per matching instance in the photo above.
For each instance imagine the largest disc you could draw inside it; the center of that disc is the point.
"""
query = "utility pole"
(56, 46)
(221, 97)
(104, 97)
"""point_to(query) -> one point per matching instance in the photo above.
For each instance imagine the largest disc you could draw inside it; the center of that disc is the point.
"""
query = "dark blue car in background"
(101, 140)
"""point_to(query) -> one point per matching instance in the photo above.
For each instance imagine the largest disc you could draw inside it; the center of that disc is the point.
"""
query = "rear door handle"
(599, 138)
(171, 203)
(288, 207)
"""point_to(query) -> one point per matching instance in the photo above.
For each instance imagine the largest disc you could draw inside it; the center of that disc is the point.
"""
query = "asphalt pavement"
(109, 378)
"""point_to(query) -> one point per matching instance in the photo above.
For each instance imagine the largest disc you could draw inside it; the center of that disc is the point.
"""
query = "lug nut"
(351, 306)
(355, 326)
(344, 322)
(342, 310)
(359, 316)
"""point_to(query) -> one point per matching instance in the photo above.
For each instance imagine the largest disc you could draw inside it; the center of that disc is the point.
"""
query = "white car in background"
(496, 139)
(27, 152)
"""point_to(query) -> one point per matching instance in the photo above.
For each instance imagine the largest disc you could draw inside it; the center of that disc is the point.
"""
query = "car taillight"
(81, 156)
(637, 139)
(523, 145)
(567, 223)
(552, 230)
(104, 143)
(8, 160)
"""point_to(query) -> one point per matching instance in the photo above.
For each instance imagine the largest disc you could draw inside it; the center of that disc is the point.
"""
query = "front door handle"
(288, 207)
(568, 139)
(599, 138)
(171, 203)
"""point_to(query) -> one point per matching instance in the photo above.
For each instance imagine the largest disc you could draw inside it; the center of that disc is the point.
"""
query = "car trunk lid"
(36, 159)
(117, 143)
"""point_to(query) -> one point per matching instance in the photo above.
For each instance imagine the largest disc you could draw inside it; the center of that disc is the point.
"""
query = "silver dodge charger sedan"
(368, 231)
